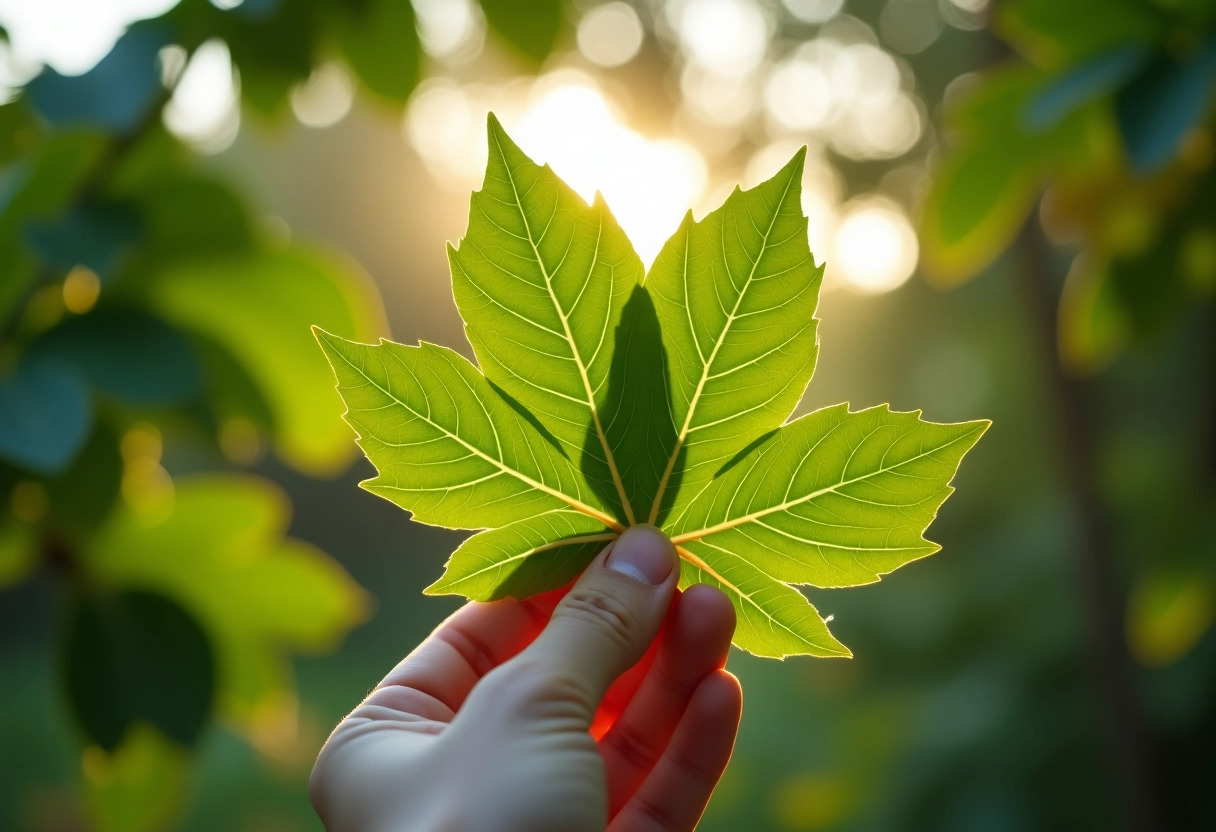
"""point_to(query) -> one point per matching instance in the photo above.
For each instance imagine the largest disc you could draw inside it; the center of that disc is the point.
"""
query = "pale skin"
(604, 707)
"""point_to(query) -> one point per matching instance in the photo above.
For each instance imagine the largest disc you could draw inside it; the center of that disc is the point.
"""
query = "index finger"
(434, 680)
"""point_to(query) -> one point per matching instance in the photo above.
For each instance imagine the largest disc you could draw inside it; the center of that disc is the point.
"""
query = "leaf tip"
(437, 588)
(327, 341)
(796, 163)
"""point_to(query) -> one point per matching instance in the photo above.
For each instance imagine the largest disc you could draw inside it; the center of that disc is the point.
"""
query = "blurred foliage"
(1108, 110)
(142, 304)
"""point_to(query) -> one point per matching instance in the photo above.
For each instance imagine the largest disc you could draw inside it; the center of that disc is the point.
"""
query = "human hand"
(562, 712)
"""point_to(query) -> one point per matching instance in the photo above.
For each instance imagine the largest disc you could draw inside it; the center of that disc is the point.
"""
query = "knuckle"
(654, 814)
(525, 689)
(693, 769)
(631, 745)
(605, 614)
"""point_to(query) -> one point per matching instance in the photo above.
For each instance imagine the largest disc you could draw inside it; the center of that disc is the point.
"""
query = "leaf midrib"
(578, 359)
(713, 355)
(726, 525)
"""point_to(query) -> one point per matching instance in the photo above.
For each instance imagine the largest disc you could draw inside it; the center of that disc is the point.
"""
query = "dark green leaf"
(1092, 79)
(220, 550)
(1158, 107)
(532, 27)
(138, 656)
(126, 353)
(115, 95)
(81, 497)
(96, 236)
(45, 414)
(380, 42)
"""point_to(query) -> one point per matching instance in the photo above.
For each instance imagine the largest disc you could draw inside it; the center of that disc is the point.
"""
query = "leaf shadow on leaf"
(636, 415)
(747, 449)
(529, 417)
(557, 567)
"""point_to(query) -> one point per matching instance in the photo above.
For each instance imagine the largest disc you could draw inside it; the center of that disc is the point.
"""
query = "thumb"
(609, 618)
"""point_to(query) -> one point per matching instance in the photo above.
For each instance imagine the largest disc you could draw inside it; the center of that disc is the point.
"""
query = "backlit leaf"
(218, 549)
(604, 400)
(259, 307)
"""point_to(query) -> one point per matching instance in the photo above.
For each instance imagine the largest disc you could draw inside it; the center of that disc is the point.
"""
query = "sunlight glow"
(729, 36)
(564, 120)
(874, 248)
(719, 100)
(71, 36)
(648, 184)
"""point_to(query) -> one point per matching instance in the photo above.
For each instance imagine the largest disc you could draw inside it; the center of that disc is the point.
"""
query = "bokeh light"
(325, 98)
(204, 109)
(850, 94)
(874, 248)
(910, 26)
(451, 30)
(813, 11)
(648, 184)
(728, 36)
(610, 35)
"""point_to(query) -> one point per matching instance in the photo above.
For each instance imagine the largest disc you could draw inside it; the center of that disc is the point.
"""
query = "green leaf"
(447, 446)
(604, 401)
(217, 548)
(140, 787)
(379, 40)
(532, 27)
(1054, 34)
(258, 307)
(524, 557)
(1005, 144)
(539, 273)
(833, 499)
(18, 551)
(126, 353)
(736, 296)
(138, 656)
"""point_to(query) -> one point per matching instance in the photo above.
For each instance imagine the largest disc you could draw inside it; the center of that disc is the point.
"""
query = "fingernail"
(643, 553)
